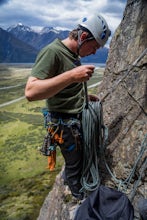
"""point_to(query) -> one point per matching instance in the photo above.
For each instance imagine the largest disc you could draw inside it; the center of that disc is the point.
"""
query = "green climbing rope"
(124, 184)
(94, 135)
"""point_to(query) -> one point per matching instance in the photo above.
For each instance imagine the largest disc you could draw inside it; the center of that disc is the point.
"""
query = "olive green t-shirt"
(53, 60)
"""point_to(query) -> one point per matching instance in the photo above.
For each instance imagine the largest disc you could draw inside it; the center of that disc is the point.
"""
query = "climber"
(58, 77)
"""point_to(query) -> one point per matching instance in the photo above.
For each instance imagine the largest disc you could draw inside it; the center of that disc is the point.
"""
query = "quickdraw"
(51, 140)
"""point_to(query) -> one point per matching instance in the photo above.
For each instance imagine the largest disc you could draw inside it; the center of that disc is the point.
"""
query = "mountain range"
(21, 44)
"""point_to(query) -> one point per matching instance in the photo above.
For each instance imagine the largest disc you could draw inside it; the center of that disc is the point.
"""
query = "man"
(58, 77)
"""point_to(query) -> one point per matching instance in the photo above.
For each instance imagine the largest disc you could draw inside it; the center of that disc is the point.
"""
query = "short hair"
(74, 33)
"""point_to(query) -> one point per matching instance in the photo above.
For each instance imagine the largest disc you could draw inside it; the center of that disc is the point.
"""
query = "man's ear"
(84, 36)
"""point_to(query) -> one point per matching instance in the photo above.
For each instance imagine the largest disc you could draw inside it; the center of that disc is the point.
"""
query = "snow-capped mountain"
(26, 36)
(36, 39)
(46, 30)
(13, 50)
(19, 27)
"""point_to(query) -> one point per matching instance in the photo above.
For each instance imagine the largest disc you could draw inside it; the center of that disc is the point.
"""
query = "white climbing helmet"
(98, 27)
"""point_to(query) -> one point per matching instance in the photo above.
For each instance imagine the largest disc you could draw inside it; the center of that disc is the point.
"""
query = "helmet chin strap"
(80, 42)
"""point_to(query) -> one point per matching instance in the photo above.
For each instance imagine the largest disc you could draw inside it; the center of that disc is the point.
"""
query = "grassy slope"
(24, 180)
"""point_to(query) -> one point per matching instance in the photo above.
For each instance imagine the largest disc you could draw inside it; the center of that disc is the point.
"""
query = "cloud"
(59, 13)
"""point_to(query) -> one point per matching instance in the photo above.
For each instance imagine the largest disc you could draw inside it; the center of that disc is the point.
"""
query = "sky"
(61, 14)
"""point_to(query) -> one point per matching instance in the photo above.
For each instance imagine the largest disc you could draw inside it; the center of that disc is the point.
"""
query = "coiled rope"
(95, 135)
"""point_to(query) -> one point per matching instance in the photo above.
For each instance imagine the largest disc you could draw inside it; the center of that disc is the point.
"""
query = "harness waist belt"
(65, 115)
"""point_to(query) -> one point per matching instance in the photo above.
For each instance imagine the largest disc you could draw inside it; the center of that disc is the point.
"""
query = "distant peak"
(48, 29)
(19, 27)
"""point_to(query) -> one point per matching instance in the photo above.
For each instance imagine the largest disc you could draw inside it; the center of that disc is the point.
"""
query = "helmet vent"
(84, 19)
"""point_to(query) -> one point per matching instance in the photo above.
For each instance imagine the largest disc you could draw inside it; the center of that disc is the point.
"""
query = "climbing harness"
(56, 125)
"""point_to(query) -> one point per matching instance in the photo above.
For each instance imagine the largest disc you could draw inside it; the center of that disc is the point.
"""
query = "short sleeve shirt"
(53, 60)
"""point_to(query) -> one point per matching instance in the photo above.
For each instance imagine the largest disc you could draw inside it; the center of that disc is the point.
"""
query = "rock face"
(124, 95)
(124, 90)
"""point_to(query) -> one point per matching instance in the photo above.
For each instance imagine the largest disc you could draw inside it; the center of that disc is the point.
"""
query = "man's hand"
(82, 73)
(93, 98)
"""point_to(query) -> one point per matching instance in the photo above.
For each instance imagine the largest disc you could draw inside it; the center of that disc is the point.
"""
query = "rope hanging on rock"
(117, 82)
(123, 185)
(94, 140)
(95, 136)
